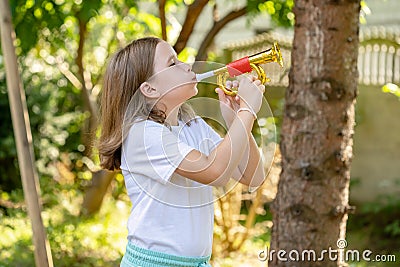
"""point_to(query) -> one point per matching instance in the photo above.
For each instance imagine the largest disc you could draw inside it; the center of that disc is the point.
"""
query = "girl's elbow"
(257, 181)
(219, 177)
(220, 181)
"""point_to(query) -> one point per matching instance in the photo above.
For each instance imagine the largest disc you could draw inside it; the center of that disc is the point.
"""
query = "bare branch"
(161, 10)
(64, 69)
(209, 37)
(88, 105)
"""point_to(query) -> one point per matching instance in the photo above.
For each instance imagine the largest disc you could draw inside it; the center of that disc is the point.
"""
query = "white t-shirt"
(170, 213)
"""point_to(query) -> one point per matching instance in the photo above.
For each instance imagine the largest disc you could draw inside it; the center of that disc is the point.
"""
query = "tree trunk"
(310, 209)
(95, 193)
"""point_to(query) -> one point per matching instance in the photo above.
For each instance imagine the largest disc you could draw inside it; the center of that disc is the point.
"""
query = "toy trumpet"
(244, 65)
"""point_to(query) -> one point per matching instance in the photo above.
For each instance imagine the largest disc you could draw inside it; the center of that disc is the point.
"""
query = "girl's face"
(174, 80)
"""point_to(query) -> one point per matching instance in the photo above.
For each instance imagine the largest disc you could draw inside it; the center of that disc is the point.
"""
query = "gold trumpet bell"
(278, 55)
(271, 55)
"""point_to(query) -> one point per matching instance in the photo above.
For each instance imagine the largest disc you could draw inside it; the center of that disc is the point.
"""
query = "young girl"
(170, 158)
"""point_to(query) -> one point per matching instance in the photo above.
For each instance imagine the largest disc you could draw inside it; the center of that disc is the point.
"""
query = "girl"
(170, 158)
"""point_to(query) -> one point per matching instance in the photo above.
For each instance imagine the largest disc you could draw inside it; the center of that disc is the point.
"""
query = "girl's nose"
(189, 67)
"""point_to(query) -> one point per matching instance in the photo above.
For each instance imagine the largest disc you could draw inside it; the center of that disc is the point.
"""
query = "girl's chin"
(196, 91)
(193, 91)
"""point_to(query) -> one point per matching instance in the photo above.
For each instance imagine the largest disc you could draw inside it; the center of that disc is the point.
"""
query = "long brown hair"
(121, 99)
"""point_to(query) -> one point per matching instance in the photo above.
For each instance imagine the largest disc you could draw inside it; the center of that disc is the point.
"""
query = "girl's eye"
(172, 64)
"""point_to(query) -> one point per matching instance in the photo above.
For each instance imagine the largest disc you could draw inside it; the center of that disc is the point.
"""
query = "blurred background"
(63, 47)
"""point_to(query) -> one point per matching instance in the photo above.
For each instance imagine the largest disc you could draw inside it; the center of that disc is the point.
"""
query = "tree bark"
(161, 11)
(95, 193)
(310, 209)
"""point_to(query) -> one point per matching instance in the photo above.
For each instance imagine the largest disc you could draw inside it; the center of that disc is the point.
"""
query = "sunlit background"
(63, 47)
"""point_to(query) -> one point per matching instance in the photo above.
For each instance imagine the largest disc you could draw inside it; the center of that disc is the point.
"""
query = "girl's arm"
(251, 166)
(217, 168)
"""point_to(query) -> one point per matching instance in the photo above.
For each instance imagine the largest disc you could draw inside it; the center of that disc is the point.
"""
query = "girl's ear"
(148, 90)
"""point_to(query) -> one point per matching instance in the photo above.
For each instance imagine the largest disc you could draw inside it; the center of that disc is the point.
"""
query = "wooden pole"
(23, 138)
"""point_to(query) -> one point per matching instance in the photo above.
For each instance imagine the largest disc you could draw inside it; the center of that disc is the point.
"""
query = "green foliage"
(379, 224)
(48, 60)
(54, 117)
(87, 9)
(282, 14)
(280, 10)
(393, 229)
(75, 241)
(8, 152)
(32, 16)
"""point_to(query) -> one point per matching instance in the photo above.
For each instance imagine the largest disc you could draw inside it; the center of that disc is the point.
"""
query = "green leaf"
(392, 89)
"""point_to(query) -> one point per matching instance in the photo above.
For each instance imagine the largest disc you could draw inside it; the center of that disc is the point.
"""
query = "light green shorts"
(140, 257)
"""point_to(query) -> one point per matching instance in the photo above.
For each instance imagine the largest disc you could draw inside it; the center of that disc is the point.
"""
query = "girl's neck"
(172, 116)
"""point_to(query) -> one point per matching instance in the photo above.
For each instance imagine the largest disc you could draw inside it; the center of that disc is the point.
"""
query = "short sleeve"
(212, 135)
(152, 150)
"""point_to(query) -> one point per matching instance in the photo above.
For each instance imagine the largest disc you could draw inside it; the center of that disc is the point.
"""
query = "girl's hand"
(251, 93)
(228, 104)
